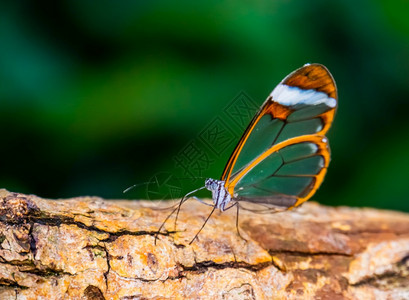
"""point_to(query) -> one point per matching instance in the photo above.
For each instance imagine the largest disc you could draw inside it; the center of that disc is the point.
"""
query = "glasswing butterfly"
(283, 155)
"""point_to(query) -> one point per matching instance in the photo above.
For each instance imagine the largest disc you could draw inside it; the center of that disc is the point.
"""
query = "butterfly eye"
(210, 184)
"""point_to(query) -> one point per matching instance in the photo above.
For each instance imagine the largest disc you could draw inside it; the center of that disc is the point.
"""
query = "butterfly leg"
(201, 201)
(163, 223)
(186, 197)
(177, 209)
(237, 219)
(207, 219)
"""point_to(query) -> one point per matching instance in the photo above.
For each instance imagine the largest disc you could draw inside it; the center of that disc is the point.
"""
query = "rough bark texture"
(89, 248)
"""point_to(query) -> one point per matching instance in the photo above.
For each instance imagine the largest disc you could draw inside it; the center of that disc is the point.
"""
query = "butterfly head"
(213, 184)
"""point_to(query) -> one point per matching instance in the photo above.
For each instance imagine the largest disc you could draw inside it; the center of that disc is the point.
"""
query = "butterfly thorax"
(220, 195)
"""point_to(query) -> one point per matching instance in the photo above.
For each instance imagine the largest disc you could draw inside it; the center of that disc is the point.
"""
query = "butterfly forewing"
(282, 157)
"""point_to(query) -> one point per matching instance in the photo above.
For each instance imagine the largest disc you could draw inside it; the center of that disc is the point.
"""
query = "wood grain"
(90, 248)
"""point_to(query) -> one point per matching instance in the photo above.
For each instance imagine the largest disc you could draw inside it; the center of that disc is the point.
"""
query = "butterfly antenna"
(133, 186)
(185, 178)
(148, 182)
(208, 217)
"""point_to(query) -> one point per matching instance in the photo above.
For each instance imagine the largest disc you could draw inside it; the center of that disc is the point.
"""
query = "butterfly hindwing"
(286, 175)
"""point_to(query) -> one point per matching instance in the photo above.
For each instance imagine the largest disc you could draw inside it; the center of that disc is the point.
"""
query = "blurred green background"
(97, 96)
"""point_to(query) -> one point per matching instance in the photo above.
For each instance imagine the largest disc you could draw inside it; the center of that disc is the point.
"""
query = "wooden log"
(90, 248)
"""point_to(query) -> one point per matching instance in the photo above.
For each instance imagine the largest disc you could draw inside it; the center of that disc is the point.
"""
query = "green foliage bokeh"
(96, 96)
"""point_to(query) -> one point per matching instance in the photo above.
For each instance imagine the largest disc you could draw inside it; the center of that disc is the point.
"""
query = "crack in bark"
(400, 274)
(47, 272)
(108, 266)
(381, 279)
(32, 241)
(179, 246)
(7, 283)
(26, 262)
(70, 221)
(201, 267)
(369, 231)
(308, 254)
(250, 295)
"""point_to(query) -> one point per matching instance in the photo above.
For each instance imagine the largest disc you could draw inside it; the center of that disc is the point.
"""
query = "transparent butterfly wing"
(291, 123)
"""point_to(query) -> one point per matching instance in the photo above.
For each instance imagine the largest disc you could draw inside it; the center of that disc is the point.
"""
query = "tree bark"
(90, 248)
